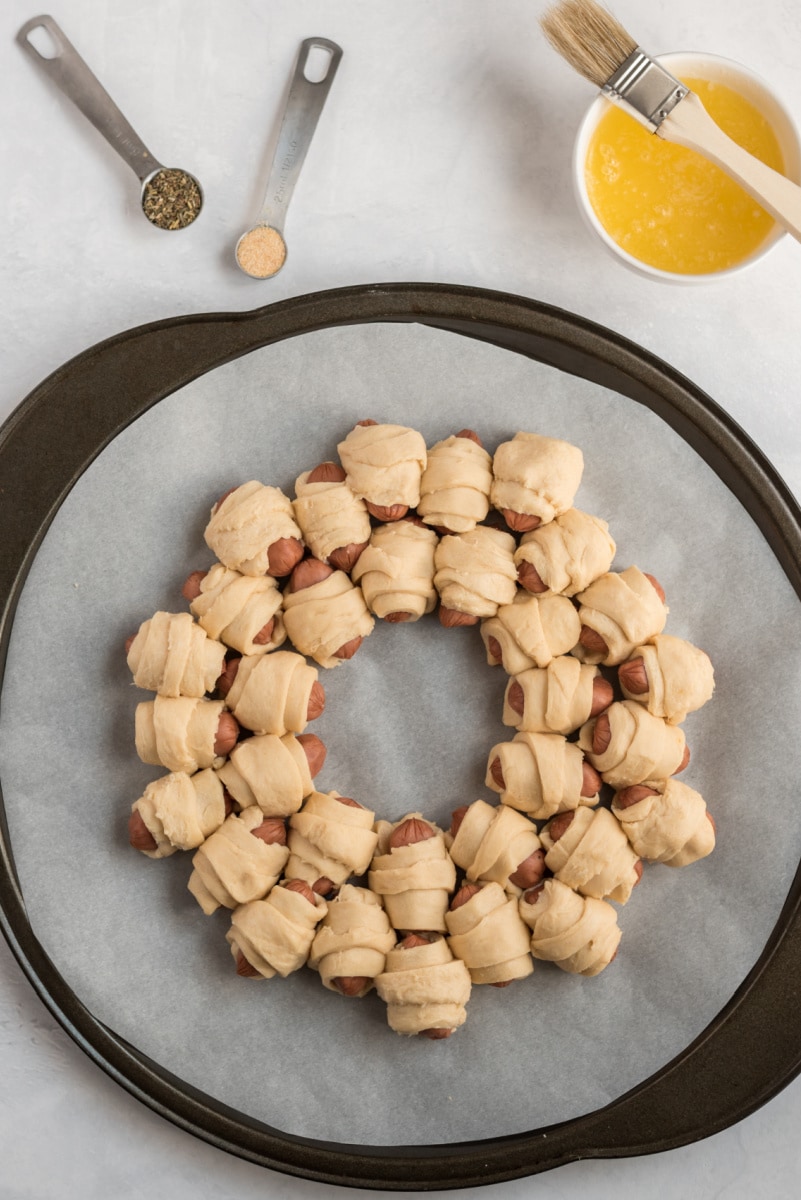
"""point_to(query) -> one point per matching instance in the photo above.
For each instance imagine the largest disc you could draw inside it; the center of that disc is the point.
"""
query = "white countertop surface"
(443, 156)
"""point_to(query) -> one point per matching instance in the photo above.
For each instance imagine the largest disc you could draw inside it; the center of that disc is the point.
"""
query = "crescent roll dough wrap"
(245, 524)
(396, 571)
(625, 609)
(568, 554)
(530, 631)
(414, 881)
(455, 487)
(475, 571)
(232, 866)
(269, 771)
(556, 699)
(321, 618)
(488, 934)
(331, 839)
(579, 934)
(593, 856)
(641, 746)
(424, 987)
(672, 827)
(173, 656)
(535, 475)
(235, 608)
(491, 843)
(542, 774)
(330, 516)
(270, 694)
(178, 732)
(180, 810)
(353, 939)
(275, 935)
(680, 678)
(384, 463)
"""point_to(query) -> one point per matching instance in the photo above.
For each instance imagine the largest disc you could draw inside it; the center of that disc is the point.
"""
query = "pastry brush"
(596, 45)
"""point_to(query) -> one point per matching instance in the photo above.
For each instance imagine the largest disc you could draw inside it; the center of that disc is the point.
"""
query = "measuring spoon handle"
(303, 107)
(70, 73)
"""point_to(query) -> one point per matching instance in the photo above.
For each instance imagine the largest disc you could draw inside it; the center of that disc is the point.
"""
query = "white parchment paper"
(408, 725)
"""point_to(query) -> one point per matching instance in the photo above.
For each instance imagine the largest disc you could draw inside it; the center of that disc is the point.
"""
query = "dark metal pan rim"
(752, 1048)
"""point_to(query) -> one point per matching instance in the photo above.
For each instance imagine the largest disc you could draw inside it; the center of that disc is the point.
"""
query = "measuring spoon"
(261, 250)
(171, 198)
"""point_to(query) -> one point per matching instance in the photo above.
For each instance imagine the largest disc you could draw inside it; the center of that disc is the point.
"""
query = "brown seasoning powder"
(171, 199)
(261, 252)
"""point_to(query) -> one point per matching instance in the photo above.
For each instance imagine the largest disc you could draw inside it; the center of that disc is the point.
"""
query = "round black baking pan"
(748, 1052)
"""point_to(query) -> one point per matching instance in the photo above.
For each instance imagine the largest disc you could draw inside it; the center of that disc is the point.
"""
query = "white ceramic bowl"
(717, 70)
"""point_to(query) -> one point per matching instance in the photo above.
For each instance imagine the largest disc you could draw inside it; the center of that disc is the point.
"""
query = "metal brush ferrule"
(644, 87)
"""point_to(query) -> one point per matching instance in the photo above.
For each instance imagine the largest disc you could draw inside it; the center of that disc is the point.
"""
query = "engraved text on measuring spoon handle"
(71, 74)
(304, 105)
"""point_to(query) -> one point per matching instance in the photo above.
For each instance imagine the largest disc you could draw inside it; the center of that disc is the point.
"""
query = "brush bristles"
(588, 38)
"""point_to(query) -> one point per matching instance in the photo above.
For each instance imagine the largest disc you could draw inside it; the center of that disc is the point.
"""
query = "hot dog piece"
(529, 577)
(452, 618)
(191, 587)
(535, 479)
(283, 556)
(316, 705)
(308, 573)
(249, 522)
(315, 751)
(351, 945)
(228, 675)
(530, 871)
(226, 736)
(348, 649)
(139, 835)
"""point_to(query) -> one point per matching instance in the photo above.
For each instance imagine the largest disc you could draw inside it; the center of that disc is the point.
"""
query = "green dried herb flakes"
(171, 199)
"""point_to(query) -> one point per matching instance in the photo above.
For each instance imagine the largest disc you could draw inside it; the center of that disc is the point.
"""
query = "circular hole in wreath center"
(410, 720)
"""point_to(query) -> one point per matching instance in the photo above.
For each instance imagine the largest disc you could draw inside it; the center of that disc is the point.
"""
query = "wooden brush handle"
(689, 124)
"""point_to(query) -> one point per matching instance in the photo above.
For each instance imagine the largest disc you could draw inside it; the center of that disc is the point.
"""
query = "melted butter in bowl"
(667, 211)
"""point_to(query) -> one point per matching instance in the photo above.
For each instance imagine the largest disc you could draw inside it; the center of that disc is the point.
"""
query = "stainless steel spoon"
(261, 250)
(171, 198)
